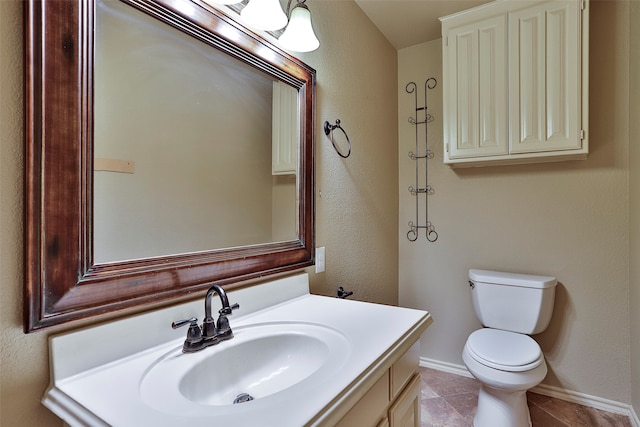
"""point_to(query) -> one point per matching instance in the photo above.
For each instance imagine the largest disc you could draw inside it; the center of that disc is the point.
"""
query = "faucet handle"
(194, 333)
(228, 310)
(180, 323)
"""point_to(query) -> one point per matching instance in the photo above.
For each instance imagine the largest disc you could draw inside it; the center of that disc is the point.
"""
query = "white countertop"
(96, 372)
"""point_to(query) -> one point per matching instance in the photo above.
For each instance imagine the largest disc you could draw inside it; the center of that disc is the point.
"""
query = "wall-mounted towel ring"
(328, 129)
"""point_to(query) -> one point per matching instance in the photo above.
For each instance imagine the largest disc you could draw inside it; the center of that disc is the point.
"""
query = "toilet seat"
(504, 350)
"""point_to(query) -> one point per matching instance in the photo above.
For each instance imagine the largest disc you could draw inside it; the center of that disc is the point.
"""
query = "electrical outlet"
(320, 260)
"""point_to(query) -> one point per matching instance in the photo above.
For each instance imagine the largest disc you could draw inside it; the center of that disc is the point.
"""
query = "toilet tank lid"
(513, 279)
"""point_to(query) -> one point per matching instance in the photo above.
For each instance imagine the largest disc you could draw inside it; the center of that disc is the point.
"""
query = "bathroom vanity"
(295, 359)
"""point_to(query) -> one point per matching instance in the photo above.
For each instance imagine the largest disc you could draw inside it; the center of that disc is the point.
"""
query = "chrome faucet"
(211, 332)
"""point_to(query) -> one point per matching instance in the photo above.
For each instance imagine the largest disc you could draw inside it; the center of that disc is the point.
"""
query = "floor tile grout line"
(551, 414)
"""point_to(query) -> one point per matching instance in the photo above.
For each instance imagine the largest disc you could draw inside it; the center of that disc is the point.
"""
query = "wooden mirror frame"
(62, 283)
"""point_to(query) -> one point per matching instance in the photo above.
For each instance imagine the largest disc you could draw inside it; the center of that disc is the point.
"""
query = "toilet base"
(498, 408)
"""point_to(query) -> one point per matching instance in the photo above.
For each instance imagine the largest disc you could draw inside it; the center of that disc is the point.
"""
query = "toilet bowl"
(502, 356)
(507, 364)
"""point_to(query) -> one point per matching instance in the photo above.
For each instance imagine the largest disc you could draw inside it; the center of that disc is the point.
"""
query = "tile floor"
(450, 400)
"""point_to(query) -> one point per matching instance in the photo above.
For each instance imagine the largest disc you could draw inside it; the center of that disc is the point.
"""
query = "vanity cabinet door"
(391, 397)
(403, 370)
(405, 412)
(475, 89)
(371, 408)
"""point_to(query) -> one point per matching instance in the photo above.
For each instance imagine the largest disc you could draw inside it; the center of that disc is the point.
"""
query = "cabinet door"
(284, 129)
(545, 88)
(371, 409)
(405, 412)
(404, 369)
(475, 91)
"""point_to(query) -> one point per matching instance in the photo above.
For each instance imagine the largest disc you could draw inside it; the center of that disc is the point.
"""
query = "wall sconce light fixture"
(299, 35)
(267, 15)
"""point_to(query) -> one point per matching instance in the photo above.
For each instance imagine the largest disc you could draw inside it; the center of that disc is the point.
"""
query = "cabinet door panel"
(475, 98)
(404, 369)
(406, 411)
(544, 91)
(562, 89)
(284, 129)
(371, 408)
(465, 89)
(492, 87)
(527, 77)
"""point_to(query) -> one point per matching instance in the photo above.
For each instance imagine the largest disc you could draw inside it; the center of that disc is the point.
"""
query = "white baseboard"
(547, 390)
(452, 368)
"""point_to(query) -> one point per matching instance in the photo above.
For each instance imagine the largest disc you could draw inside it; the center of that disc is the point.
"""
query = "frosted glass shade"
(264, 15)
(299, 35)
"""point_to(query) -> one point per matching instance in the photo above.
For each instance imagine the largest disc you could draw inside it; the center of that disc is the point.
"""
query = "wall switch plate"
(320, 260)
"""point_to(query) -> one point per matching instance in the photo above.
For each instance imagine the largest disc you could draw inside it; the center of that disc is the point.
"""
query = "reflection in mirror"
(193, 127)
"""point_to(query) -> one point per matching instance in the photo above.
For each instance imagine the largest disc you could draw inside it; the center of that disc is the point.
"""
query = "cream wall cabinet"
(394, 400)
(516, 83)
(284, 129)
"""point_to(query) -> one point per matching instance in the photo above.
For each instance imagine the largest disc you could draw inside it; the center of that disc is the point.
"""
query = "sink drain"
(242, 397)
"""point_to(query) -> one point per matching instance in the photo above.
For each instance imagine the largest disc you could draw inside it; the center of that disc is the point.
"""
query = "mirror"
(182, 132)
(90, 188)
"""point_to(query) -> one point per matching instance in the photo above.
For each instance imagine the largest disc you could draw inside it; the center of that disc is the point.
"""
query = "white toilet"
(502, 356)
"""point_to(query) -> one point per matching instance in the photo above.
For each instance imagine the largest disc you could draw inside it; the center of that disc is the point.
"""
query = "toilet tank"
(520, 303)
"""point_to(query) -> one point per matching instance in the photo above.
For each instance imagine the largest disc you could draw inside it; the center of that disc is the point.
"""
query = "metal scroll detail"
(422, 189)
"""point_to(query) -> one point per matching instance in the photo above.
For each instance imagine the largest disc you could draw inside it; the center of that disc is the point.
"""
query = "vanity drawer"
(372, 408)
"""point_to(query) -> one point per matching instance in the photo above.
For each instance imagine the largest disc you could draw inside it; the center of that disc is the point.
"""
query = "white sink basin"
(261, 361)
(305, 359)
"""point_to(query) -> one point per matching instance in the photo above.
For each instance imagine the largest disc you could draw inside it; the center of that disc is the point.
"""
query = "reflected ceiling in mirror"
(65, 279)
(183, 144)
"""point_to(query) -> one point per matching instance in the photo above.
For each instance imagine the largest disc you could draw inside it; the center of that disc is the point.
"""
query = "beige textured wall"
(634, 212)
(357, 197)
(567, 219)
(356, 215)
